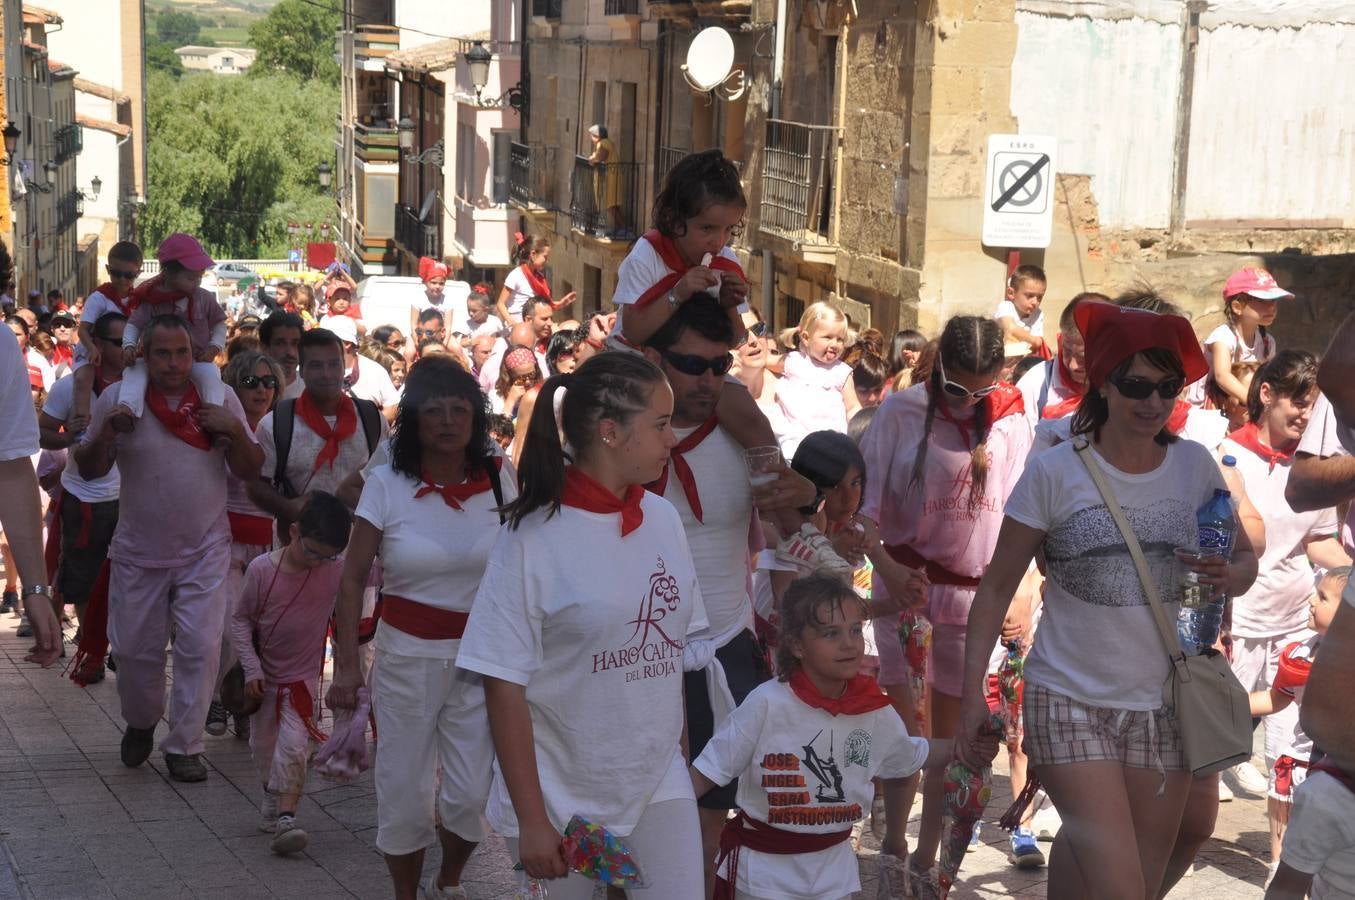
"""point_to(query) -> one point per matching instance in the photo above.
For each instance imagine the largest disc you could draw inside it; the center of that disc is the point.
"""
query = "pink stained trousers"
(143, 604)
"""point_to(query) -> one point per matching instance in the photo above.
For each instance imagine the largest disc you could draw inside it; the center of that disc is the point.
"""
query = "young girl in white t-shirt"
(1249, 305)
(816, 391)
(805, 749)
(528, 280)
(579, 627)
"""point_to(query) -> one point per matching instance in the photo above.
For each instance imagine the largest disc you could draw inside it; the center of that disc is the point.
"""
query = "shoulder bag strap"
(1164, 625)
(283, 420)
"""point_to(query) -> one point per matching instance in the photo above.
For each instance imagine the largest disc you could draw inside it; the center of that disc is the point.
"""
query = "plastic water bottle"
(1201, 615)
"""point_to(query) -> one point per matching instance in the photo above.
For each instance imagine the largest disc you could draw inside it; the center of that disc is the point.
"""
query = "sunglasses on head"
(127, 274)
(959, 391)
(250, 382)
(1136, 388)
(697, 365)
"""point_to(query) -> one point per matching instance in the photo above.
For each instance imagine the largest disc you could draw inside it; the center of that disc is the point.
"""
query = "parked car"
(232, 270)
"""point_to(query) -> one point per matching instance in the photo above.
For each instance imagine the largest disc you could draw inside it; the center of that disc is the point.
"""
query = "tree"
(160, 57)
(297, 37)
(222, 168)
(178, 29)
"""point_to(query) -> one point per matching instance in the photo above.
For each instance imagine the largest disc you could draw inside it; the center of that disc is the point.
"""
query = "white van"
(386, 300)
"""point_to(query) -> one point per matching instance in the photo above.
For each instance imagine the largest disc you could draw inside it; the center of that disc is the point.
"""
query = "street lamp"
(293, 228)
(11, 134)
(50, 168)
(95, 185)
(326, 174)
(477, 60)
(405, 128)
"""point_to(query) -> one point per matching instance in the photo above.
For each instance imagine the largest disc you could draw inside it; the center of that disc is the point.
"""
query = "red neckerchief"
(124, 304)
(1069, 405)
(540, 285)
(1003, 402)
(1177, 421)
(150, 291)
(345, 424)
(582, 492)
(62, 355)
(454, 494)
(1248, 436)
(542, 345)
(682, 469)
(862, 695)
(181, 422)
(668, 252)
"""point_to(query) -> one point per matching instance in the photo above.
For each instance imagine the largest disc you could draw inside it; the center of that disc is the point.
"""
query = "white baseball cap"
(342, 327)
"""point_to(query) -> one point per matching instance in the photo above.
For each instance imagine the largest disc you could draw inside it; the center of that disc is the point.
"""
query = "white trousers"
(142, 604)
(667, 844)
(280, 742)
(429, 715)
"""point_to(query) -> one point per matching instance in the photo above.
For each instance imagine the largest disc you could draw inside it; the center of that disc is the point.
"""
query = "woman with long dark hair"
(579, 628)
(1105, 748)
(431, 514)
(943, 455)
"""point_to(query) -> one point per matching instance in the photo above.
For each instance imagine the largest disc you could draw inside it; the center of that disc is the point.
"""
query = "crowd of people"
(728, 592)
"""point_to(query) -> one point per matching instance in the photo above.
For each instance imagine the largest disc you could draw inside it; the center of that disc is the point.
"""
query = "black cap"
(249, 321)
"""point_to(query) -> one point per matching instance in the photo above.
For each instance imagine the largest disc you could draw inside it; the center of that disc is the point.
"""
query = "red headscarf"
(582, 492)
(1115, 333)
(431, 268)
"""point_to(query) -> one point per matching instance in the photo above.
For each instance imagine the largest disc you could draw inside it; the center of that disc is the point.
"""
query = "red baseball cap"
(1115, 333)
(185, 250)
(1256, 283)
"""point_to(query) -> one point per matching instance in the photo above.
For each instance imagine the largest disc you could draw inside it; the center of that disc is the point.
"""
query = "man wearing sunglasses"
(89, 507)
(123, 268)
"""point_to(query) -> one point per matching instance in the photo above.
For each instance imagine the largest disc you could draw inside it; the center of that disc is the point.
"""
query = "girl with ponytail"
(528, 280)
(578, 629)
(943, 456)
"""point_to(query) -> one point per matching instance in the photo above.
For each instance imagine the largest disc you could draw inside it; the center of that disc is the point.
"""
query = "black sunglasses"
(1136, 388)
(697, 365)
(426, 332)
(250, 382)
(123, 273)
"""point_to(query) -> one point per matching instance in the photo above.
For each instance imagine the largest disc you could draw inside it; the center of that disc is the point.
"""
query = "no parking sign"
(1018, 198)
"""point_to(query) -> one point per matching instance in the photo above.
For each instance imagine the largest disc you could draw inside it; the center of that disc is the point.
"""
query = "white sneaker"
(1250, 779)
(288, 838)
(1046, 822)
(810, 551)
(429, 890)
(1225, 792)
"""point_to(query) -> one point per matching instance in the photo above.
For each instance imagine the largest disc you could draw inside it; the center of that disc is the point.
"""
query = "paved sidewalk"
(75, 823)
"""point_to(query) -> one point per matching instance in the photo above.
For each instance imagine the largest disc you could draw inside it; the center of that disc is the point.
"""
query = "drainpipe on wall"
(1190, 44)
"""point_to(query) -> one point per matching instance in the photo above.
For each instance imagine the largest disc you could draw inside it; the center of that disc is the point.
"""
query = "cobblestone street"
(74, 823)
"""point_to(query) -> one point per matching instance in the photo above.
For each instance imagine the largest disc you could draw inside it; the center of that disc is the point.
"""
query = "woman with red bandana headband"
(1098, 737)
(943, 456)
(583, 667)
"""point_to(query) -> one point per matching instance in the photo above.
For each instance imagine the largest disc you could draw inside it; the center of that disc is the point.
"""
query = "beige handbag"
(1209, 704)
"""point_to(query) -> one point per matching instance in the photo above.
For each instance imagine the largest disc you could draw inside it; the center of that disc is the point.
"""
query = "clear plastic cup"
(1193, 593)
(763, 464)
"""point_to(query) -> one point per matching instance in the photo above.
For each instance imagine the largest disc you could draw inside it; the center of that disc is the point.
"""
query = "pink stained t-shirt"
(936, 517)
(204, 315)
(172, 507)
(290, 612)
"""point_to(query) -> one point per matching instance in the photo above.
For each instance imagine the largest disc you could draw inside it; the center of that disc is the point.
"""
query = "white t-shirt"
(1032, 384)
(1262, 347)
(100, 490)
(492, 325)
(96, 305)
(593, 624)
(811, 398)
(519, 293)
(374, 384)
(719, 542)
(18, 419)
(642, 269)
(306, 445)
(39, 362)
(453, 305)
(1277, 603)
(766, 744)
(1320, 837)
(1325, 437)
(1205, 427)
(430, 553)
(1097, 641)
(1032, 322)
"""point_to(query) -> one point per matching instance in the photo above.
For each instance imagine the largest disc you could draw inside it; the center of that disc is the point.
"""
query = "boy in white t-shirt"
(123, 267)
(805, 749)
(1019, 313)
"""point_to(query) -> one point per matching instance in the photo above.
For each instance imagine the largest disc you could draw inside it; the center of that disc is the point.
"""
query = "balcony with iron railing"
(68, 210)
(604, 199)
(68, 140)
(417, 237)
(798, 181)
(531, 176)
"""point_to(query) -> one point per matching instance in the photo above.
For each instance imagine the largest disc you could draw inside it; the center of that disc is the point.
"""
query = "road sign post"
(1018, 200)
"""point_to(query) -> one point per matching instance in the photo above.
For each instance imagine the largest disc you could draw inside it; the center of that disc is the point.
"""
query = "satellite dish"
(709, 59)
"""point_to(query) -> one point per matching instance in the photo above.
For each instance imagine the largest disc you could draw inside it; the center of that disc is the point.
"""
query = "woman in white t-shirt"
(1097, 735)
(579, 628)
(431, 514)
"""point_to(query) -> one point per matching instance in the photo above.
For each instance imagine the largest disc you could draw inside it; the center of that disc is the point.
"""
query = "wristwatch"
(673, 301)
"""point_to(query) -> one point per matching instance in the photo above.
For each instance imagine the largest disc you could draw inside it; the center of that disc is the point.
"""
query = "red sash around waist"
(421, 620)
(936, 573)
(742, 831)
(257, 531)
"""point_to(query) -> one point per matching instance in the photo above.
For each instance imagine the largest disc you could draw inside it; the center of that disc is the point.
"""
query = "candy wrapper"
(591, 850)
(915, 634)
(1010, 676)
(343, 757)
(964, 794)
